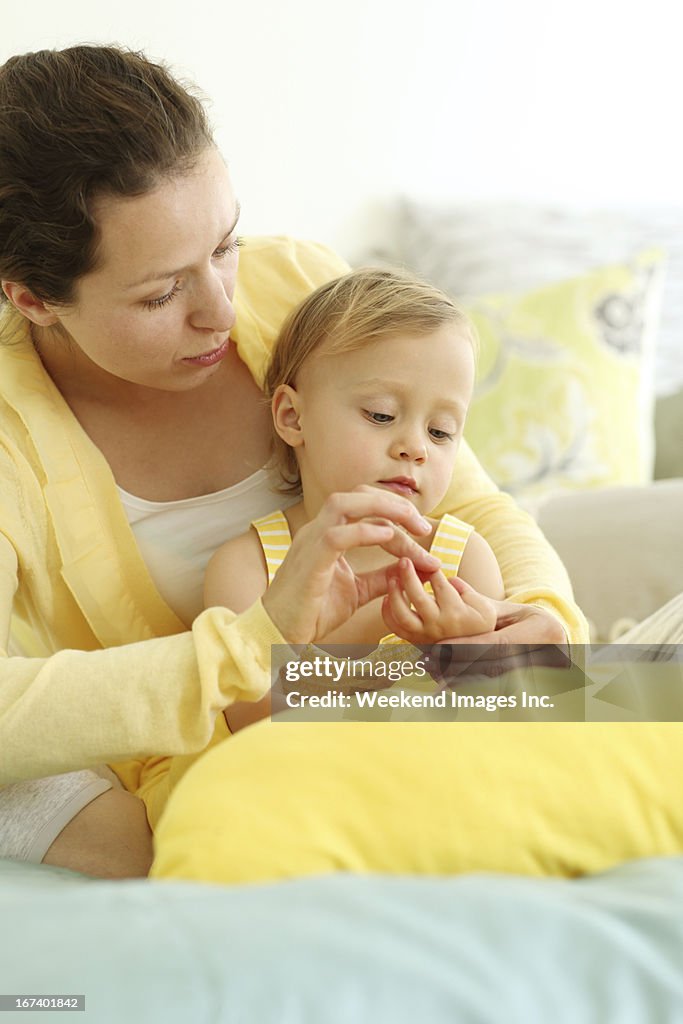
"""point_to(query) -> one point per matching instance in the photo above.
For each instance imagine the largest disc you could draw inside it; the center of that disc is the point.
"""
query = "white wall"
(326, 111)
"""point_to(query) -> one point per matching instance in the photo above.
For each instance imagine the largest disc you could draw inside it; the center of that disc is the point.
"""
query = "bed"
(474, 949)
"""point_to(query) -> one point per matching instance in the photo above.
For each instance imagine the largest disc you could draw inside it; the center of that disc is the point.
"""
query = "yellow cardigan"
(113, 675)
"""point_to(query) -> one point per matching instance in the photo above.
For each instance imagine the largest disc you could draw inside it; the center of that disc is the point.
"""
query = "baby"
(369, 384)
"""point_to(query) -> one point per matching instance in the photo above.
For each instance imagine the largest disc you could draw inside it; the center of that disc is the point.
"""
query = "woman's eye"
(232, 246)
(378, 417)
(440, 435)
(163, 299)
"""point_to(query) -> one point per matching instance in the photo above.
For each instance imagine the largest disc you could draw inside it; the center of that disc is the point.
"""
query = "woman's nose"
(213, 309)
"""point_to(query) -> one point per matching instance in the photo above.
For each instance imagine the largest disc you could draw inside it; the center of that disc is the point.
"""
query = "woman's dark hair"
(76, 125)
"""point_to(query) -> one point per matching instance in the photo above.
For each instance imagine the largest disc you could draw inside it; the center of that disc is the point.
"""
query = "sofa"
(480, 947)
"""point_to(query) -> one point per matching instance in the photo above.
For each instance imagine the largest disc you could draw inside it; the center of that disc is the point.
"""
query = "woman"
(133, 440)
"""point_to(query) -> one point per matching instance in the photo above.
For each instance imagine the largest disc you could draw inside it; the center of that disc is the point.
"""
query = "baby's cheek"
(444, 473)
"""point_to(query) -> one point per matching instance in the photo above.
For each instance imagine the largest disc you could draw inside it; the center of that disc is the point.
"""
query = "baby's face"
(390, 414)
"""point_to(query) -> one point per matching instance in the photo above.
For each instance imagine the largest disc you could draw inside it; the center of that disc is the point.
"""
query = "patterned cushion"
(475, 248)
(564, 396)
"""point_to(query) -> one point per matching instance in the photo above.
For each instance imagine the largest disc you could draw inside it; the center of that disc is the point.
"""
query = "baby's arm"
(236, 576)
(479, 568)
(456, 609)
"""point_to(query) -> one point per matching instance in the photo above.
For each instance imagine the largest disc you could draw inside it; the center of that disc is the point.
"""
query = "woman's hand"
(524, 636)
(420, 618)
(315, 589)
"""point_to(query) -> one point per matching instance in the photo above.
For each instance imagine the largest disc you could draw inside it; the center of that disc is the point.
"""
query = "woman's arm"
(80, 708)
(161, 696)
(532, 572)
(8, 586)
(235, 577)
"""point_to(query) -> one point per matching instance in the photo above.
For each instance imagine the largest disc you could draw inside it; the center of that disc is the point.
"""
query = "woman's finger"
(339, 539)
(403, 546)
(390, 538)
(453, 661)
(315, 589)
(366, 502)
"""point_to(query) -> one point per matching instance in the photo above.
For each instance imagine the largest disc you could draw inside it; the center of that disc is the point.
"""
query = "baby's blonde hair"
(343, 315)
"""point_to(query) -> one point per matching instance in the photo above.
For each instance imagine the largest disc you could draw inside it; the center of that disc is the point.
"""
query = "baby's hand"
(420, 618)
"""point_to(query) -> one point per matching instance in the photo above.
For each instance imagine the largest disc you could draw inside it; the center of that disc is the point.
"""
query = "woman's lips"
(209, 358)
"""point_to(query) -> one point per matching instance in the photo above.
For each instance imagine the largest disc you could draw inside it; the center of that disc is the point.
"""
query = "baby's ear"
(286, 409)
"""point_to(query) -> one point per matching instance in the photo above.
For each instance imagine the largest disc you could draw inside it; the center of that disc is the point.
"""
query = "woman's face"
(158, 309)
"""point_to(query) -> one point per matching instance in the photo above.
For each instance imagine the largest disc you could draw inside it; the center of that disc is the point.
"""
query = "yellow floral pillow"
(564, 395)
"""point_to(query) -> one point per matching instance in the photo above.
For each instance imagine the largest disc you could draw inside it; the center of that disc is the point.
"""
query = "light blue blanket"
(350, 949)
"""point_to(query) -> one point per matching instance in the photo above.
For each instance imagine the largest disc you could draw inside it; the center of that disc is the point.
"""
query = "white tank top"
(177, 538)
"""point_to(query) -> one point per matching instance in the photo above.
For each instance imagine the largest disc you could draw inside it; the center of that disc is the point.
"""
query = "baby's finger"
(469, 596)
(478, 604)
(458, 585)
(389, 620)
(446, 594)
(395, 627)
(473, 599)
(401, 611)
(423, 603)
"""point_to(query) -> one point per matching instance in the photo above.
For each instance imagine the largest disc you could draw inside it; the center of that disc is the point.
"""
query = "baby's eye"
(230, 246)
(440, 435)
(378, 417)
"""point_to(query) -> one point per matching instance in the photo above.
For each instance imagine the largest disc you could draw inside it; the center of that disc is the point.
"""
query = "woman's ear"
(23, 299)
(286, 410)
